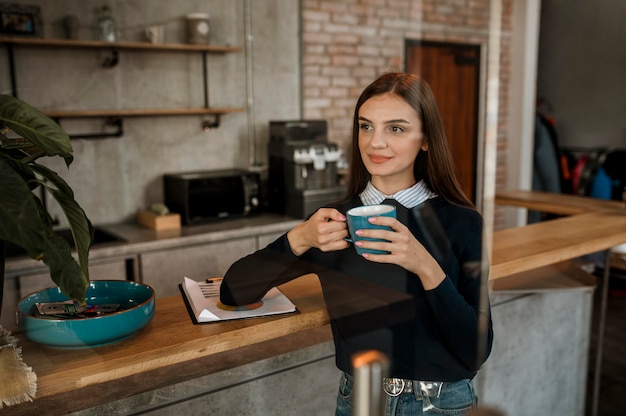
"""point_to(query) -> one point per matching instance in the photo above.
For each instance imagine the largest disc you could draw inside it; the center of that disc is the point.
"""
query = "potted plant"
(24, 219)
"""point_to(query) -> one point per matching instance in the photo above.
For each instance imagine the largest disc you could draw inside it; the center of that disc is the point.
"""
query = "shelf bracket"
(12, 70)
(116, 122)
(112, 60)
(208, 125)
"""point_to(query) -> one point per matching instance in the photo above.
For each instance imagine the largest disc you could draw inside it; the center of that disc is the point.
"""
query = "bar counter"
(563, 204)
(525, 248)
(589, 225)
(171, 349)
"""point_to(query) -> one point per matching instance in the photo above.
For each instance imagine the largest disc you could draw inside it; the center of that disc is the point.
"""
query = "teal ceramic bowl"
(136, 302)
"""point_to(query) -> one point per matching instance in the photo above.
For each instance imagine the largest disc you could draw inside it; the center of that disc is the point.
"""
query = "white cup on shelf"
(156, 34)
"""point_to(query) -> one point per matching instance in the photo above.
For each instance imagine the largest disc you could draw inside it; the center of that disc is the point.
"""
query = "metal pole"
(249, 52)
(370, 367)
(12, 75)
(606, 278)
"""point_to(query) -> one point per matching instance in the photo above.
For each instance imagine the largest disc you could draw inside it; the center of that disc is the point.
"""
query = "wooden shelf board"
(141, 112)
(61, 43)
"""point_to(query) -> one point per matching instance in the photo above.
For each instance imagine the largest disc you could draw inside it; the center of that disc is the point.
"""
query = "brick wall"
(347, 43)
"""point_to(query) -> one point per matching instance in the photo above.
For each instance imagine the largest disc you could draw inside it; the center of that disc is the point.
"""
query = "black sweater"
(427, 335)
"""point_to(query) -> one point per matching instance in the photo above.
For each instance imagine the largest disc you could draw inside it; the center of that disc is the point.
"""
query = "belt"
(396, 386)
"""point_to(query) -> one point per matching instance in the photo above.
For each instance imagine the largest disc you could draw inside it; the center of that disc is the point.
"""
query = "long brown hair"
(434, 166)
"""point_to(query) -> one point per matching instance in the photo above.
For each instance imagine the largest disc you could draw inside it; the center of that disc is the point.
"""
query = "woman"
(399, 156)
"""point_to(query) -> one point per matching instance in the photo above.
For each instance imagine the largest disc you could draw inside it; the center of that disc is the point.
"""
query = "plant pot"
(136, 302)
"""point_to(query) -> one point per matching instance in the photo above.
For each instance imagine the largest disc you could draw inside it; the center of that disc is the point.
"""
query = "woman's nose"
(378, 140)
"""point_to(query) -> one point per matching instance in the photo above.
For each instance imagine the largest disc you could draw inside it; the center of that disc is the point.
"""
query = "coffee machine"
(302, 173)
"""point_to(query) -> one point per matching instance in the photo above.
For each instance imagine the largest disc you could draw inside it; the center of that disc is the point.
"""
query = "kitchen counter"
(136, 239)
(156, 258)
(170, 349)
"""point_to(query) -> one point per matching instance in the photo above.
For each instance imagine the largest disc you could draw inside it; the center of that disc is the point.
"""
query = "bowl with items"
(115, 310)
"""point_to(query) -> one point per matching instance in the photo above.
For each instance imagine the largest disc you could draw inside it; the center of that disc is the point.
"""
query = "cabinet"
(264, 239)
(164, 270)
(115, 116)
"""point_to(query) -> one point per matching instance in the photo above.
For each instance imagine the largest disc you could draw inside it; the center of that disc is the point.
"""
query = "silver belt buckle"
(431, 388)
(393, 386)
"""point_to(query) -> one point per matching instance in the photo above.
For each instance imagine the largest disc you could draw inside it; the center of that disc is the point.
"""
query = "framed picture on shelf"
(20, 20)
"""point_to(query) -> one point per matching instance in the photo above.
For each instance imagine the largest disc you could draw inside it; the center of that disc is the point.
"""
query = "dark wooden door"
(452, 71)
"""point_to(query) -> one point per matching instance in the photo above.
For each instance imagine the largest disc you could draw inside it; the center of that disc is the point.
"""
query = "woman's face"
(390, 137)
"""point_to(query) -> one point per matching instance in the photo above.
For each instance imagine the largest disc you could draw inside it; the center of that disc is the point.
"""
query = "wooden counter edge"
(98, 394)
(540, 244)
(560, 204)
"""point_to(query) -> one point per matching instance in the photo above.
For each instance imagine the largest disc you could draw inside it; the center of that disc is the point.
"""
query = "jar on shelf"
(198, 28)
(105, 26)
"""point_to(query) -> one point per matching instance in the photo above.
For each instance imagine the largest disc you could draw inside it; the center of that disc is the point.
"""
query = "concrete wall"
(539, 361)
(114, 177)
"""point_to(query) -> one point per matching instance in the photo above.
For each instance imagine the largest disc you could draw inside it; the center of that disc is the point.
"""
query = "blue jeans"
(455, 398)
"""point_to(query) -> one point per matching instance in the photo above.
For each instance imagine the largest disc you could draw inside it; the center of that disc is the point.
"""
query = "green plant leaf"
(82, 230)
(21, 222)
(26, 224)
(33, 125)
(24, 221)
(64, 269)
(19, 167)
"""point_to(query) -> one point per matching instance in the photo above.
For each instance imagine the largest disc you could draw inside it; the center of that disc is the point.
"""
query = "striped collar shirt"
(409, 198)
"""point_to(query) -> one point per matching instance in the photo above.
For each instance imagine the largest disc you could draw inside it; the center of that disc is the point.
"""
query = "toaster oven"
(204, 196)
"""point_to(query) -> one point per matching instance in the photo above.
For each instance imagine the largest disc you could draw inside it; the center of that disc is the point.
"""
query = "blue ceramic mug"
(358, 220)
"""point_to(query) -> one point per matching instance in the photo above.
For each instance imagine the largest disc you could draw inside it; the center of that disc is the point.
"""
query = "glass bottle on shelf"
(105, 26)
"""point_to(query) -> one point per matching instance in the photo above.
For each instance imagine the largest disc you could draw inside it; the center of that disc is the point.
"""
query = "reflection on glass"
(419, 303)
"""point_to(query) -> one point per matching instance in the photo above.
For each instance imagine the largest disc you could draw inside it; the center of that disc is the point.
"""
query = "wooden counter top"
(590, 225)
(525, 248)
(168, 340)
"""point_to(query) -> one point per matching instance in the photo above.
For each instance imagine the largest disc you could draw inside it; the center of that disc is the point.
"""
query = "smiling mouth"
(378, 159)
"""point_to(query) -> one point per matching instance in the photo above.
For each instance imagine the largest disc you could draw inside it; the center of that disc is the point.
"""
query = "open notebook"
(203, 303)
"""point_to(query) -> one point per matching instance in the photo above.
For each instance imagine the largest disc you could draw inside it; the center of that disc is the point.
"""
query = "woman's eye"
(365, 127)
(396, 129)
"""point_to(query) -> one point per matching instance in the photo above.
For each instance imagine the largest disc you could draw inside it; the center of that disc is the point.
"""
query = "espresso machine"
(302, 172)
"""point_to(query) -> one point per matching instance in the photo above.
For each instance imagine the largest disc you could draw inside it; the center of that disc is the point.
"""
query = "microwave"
(205, 196)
